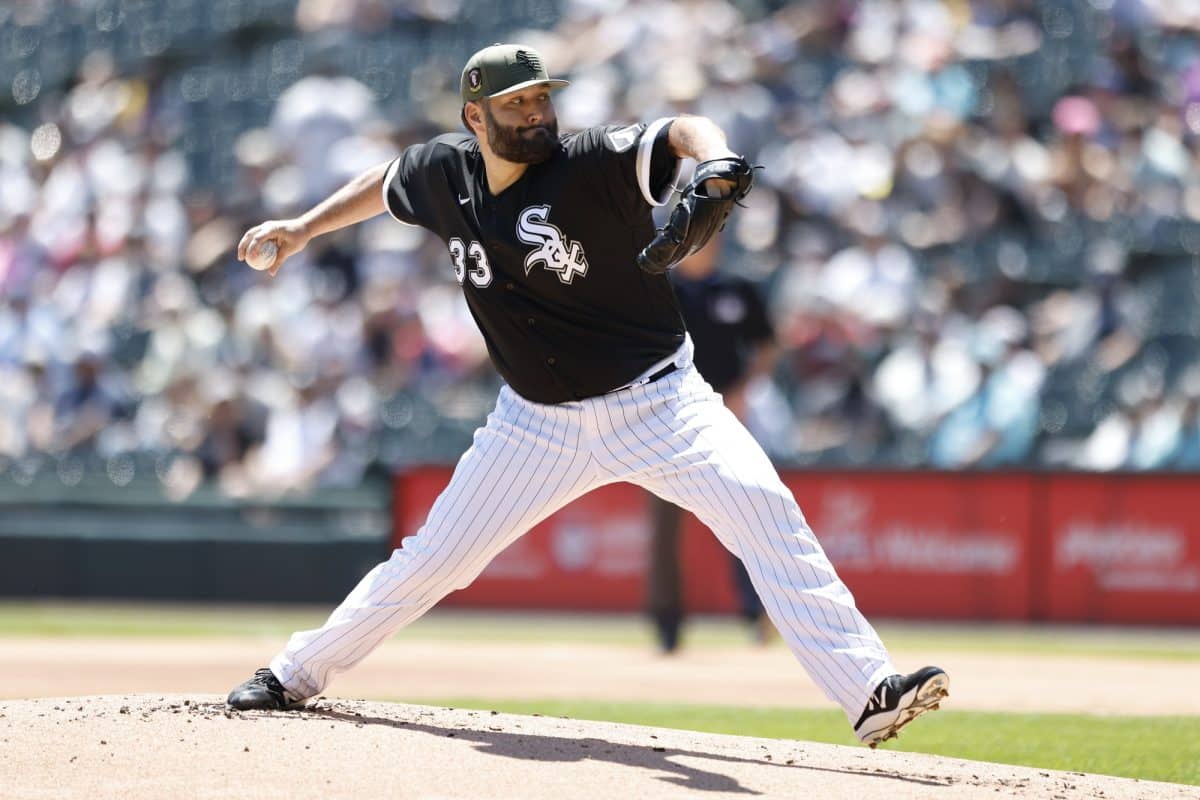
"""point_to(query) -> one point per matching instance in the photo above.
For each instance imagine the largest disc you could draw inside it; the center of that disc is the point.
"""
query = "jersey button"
(531, 321)
(552, 361)
(510, 285)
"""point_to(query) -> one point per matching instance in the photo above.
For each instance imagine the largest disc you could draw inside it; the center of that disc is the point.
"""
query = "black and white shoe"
(263, 692)
(898, 700)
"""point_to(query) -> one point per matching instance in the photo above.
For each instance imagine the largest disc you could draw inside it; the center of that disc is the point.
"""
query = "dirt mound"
(142, 746)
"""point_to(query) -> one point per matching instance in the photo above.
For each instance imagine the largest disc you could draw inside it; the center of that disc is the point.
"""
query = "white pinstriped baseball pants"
(674, 437)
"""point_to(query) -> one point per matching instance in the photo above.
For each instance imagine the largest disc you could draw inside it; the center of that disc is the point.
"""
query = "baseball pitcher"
(553, 242)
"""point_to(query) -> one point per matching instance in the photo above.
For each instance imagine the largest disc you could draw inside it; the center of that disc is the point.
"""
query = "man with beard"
(545, 235)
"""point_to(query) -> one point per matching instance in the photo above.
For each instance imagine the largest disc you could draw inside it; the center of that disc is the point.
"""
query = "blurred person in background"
(735, 348)
(998, 425)
(1188, 455)
(88, 406)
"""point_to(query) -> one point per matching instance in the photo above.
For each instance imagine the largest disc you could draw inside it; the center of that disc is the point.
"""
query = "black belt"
(662, 373)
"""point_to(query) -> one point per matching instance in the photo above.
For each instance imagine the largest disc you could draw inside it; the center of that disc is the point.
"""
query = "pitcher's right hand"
(288, 235)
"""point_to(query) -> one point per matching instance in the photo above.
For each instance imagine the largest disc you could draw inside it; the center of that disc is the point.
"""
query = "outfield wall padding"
(108, 542)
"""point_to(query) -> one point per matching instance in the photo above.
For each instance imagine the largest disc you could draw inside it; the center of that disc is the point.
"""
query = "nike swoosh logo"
(462, 201)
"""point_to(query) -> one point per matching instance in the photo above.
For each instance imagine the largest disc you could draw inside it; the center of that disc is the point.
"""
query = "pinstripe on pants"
(673, 437)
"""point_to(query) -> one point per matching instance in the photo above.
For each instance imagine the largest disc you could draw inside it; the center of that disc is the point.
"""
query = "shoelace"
(267, 679)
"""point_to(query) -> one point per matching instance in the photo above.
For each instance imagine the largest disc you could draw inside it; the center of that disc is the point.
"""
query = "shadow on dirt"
(536, 747)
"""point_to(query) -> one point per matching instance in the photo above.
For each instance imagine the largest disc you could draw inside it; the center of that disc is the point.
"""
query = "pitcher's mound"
(144, 746)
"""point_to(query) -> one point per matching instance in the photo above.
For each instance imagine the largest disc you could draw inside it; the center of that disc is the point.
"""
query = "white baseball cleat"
(898, 700)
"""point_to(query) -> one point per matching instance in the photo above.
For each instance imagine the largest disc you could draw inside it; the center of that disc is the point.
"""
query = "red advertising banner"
(929, 545)
(1123, 548)
(1102, 548)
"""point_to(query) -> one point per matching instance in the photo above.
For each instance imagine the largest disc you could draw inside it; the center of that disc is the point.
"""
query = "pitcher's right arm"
(358, 200)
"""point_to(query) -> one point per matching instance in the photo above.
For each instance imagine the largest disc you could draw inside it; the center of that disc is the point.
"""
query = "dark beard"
(518, 144)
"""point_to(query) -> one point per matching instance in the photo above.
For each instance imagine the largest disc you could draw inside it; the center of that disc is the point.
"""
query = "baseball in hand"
(263, 256)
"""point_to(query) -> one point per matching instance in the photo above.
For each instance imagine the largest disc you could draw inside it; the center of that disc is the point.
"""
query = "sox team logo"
(553, 251)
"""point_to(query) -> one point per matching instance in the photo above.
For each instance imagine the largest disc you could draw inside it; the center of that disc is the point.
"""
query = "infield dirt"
(137, 747)
(418, 671)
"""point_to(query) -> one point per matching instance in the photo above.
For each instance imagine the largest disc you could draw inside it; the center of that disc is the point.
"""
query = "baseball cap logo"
(529, 61)
(474, 79)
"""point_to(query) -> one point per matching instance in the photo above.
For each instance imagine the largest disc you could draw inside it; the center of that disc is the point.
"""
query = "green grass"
(153, 620)
(57, 618)
(1149, 748)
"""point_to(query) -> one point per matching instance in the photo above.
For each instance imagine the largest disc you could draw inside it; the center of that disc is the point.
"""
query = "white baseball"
(263, 256)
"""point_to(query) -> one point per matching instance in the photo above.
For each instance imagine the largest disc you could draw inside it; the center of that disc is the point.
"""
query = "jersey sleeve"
(405, 184)
(639, 168)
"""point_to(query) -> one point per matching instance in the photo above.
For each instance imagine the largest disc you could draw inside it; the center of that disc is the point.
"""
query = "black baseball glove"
(697, 217)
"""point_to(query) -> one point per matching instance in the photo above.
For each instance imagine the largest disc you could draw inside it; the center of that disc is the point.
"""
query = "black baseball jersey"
(547, 266)
(727, 320)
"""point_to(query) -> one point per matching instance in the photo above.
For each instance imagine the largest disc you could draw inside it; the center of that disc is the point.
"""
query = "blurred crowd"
(977, 230)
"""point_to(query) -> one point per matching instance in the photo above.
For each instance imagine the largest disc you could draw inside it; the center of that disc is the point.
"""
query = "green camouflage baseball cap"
(504, 68)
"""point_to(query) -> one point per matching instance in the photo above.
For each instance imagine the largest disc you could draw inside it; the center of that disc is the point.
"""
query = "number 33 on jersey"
(480, 271)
